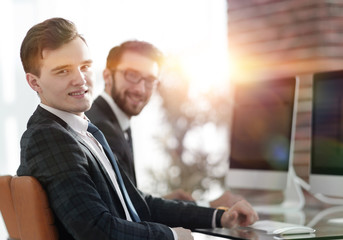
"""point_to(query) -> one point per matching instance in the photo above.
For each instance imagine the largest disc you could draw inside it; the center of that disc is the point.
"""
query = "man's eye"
(62, 71)
(150, 79)
(85, 67)
(132, 75)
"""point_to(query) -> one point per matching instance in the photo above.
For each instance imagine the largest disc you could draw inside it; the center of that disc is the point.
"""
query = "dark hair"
(144, 48)
(49, 34)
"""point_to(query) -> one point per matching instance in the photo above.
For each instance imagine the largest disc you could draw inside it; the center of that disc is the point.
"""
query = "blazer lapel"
(93, 156)
(103, 105)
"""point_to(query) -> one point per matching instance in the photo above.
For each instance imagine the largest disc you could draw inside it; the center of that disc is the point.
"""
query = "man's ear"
(32, 80)
(108, 78)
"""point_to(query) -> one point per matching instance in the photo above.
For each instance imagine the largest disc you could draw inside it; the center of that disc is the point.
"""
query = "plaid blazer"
(81, 195)
(102, 116)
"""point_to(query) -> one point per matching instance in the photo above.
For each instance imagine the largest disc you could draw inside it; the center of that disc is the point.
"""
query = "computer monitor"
(326, 169)
(262, 134)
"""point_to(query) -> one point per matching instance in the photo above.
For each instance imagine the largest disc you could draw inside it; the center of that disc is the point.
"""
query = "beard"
(122, 99)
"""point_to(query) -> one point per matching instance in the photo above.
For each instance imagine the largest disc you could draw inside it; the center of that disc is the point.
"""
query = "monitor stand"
(294, 199)
(319, 196)
(329, 200)
(324, 215)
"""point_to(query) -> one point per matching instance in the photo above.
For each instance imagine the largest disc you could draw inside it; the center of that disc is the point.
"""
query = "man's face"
(66, 79)
(132, 97)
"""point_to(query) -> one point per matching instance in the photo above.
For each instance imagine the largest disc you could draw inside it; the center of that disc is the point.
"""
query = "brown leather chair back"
(7, 208)
(34, 216)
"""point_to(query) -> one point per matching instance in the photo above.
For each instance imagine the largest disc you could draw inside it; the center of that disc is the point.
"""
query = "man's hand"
(179, 194)
(227, 199)
(183, 234)
(240, 214)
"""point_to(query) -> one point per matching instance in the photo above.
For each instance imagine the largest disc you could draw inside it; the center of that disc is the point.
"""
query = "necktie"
(130, 161)
(129, 139)
(101, 139)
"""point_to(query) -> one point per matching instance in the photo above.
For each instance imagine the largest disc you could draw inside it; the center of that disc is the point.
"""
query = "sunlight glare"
(207, 63)
(206, 70)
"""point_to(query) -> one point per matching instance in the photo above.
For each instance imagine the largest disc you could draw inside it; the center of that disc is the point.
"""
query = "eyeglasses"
(135, 77)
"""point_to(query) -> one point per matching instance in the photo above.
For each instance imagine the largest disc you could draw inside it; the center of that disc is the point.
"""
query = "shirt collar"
(123, 119)
(77, 123)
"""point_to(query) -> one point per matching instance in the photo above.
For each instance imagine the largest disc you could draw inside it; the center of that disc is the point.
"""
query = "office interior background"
(209, 44)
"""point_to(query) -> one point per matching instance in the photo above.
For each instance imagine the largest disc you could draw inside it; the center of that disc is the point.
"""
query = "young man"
(90, 195)
(130, 77)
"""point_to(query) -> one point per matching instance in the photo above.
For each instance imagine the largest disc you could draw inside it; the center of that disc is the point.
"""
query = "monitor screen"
(326, 174)
(262, 130)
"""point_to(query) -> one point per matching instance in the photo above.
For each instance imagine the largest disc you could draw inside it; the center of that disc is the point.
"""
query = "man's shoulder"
(99, 109)
(43, 124)
(101, 112)
(42, 119)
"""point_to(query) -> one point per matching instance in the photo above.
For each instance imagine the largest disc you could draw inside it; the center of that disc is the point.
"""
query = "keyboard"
(280, 228)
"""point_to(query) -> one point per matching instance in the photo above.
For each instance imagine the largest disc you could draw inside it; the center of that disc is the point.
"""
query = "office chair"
(7, 208)
(34, 216)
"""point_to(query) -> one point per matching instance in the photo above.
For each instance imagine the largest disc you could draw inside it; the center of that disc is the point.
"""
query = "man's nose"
(140, 86)
(79, 78)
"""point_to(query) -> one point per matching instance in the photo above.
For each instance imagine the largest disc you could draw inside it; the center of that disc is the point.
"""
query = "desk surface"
(324, 220)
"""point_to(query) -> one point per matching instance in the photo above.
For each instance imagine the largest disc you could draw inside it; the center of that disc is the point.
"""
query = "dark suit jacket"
(81, 194)
(105, 119)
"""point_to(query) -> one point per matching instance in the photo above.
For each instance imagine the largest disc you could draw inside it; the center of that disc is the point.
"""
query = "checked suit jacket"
(102, 116)
(84, 201)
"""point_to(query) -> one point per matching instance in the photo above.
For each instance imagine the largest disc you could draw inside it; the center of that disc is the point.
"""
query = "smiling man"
(140, 74)
(64, 80)
(131, 75)
(89, 194)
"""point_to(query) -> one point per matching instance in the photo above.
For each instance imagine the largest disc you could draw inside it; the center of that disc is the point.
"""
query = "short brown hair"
(144, 48)
(49, 34)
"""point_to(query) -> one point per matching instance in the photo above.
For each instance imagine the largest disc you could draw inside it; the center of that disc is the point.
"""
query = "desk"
(324, 220)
